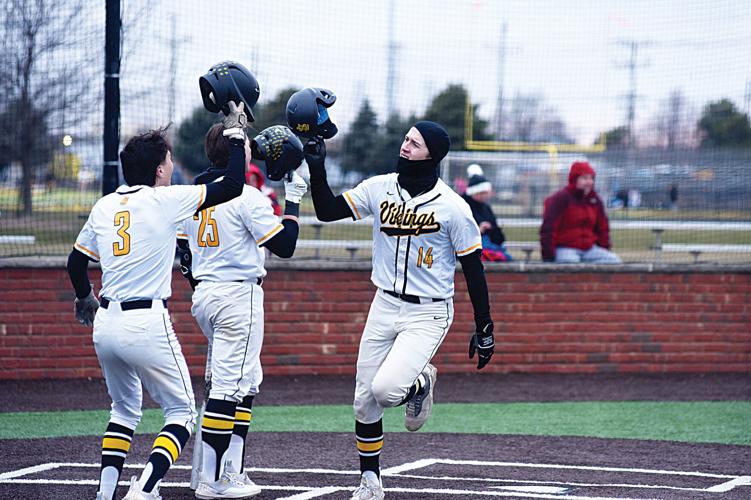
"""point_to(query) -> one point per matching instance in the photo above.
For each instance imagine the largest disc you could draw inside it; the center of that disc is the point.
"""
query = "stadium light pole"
(111, 138)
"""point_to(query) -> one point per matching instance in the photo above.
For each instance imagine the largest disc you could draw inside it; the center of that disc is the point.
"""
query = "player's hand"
(483, 342)
(295, 188)
(186, 261)
(85, 309)
(235, 122)
(315, 153)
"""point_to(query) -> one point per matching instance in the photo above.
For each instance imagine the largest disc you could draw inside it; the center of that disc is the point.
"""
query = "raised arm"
(327, 206)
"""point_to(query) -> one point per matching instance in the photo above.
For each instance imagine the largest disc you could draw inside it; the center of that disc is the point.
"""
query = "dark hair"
(142, 155)
(217, 146)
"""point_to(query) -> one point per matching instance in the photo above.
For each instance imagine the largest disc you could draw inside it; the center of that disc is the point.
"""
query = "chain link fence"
(663, 92)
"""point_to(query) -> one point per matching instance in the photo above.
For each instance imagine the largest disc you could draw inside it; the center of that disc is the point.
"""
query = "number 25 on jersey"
(208, 232)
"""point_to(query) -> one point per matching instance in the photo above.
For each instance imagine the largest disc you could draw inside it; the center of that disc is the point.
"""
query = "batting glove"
(315, 153)
(235, 122)
(85, 309)
(483, 342)
(295, 188)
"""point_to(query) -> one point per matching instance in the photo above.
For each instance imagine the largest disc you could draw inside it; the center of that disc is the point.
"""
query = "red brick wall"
(545, 322)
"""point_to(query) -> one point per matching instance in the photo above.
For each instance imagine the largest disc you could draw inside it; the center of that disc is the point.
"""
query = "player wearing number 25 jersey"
(131, 232)
(420, 228)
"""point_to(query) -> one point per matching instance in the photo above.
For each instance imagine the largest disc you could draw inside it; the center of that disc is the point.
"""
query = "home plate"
(555, 490)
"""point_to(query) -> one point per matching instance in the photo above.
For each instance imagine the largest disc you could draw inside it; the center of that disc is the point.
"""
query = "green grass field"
(725, 422)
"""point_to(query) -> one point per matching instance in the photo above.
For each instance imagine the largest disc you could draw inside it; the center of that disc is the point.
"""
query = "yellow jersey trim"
(271, 233)
(351, 204)
(85, 250)
(467, 250)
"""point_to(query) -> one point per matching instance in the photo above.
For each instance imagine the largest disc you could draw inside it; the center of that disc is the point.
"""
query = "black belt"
(412, 299)
(259, 281)
(131, 304)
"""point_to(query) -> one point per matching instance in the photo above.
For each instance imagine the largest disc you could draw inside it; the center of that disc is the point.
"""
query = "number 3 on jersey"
(427, 258)
(122, 223)
(208, 238)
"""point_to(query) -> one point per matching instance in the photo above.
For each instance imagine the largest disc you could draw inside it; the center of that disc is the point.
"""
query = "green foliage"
(448, 108)
(724, 125)
(616, 137)
(272, 112)
(189, 143)
(361, 142)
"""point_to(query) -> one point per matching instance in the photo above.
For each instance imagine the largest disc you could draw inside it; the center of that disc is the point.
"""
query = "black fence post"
(111, 96)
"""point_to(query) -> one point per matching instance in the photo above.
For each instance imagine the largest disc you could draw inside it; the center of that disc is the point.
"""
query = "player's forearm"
(232, 183)
(283, 244)
(327, 206)
(77, 266)
(477, 286)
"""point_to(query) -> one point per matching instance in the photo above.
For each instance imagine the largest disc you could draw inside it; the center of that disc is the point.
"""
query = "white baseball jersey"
(132, 233)
(225, 240)
(415, 240)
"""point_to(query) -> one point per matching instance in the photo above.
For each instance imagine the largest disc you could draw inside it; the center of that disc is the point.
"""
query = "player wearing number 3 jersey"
(131, 232)
(420, 227)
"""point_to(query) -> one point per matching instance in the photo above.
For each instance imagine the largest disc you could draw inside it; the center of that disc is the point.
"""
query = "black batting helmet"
(229, 81)
(280, 149)
(307, 113)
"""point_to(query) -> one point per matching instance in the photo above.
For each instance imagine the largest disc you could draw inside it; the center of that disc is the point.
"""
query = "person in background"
(254, 177)
(477, 195)
(574, 225)
(674, 197)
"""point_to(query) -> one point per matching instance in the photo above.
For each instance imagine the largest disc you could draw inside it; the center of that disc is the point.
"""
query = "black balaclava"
(420, 176)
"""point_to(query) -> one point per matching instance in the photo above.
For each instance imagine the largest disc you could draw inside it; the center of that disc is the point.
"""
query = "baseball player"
(131, 232)
(420, 227)
(227, 263)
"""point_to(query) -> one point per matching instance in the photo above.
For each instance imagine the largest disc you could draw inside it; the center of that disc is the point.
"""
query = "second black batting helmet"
(307, 113)
(229, 81)
(280, 149)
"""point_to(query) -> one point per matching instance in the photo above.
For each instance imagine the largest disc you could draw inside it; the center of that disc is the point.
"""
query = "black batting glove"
(315, 153)
(483, 342)
(186, 260)
(85, 309)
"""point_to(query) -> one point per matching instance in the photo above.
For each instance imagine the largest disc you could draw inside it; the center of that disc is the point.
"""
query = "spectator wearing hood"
(574, 225)
(254, 177)
(477, 195)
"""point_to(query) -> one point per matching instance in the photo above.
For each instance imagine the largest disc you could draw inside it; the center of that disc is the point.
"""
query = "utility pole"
(174, 45)
(391, 72)
(632, 65)
(173, 71)
(499, 81)
(747, 98)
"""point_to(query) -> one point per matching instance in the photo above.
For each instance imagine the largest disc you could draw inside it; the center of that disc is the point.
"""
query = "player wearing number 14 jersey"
(420, 228)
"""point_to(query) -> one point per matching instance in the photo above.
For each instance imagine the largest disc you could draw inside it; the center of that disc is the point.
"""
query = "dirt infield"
(81, 394)
(478, 466)
(416, 466)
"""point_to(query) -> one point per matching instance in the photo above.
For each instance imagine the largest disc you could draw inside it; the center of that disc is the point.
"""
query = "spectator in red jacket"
(574, 224)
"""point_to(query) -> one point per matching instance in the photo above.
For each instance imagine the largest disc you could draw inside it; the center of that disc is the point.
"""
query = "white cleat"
(230, 485)
(370, 487)
(419, 408)
(242, 477)
(136, 493)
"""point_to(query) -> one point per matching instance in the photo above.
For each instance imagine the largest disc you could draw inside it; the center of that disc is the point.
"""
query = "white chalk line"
(15, 477)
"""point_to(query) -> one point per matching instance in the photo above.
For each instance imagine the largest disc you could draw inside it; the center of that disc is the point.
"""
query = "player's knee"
(385, 392)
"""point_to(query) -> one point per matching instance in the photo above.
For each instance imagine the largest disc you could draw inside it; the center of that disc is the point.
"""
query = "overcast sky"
(566, 51)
